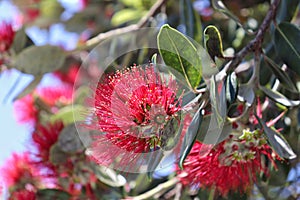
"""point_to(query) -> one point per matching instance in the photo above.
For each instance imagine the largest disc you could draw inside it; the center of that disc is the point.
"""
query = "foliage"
(220, 98)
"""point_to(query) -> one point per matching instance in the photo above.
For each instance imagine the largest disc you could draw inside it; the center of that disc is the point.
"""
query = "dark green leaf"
(69, 141)
(287, 10)
(213, 42)
(231, 88)
(30, 87)
(190, 137)
(51, 194)
(287, 38)
(57, 156)
(277, 141)
(280, 74)
(191, 20)
(219, 6)
(38, 60)
(180, 54)
(279, 98)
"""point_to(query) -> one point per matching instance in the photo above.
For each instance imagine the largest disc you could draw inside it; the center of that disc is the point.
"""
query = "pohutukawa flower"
(135, 110)
(43, 138)
(232, 165)
(19, 170)
(25, 110)
(23, 195)
(7, 35)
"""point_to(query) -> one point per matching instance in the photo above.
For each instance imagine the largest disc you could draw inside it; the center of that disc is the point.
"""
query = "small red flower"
(23, 195)
(43, 138)
(232, 165)
(19, 170)
(133, 109)
(53, 96)
(7, 35)
(25, 110)
(69, 76)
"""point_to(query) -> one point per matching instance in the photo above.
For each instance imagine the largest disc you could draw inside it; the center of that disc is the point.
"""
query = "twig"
(163, 186)
(255, 44)
(143, 21)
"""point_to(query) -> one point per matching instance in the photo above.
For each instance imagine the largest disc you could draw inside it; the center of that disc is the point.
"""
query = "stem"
(163, 186)
(102, 36)
(256, 43)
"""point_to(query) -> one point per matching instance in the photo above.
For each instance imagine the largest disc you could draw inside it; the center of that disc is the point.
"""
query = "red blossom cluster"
(232, 165)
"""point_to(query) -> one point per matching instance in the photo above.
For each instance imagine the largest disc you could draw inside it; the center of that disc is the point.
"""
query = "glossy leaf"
(231, 88)
(277, 141)
(69, 141)
(279, 98)
(180, 54)
(190, 137)
(38, 60)
(50, 194)
(287, 40)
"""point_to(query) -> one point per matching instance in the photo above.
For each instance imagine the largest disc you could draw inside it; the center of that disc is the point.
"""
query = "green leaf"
(20, 40)
(231, 88)
(280, 74)
(213, 42)
(287, 10)
(287, 38)
(279, 98)
(57, 156)
(218, 100)
(30, 87)
(190, 137)
(38, 60)
(219, 6)
(69, 141)
(246, 94)
(127, 15)
(191, 20)
(277, 141)
(108, 176)
(51, 194)
(69, 114)
(180, 54)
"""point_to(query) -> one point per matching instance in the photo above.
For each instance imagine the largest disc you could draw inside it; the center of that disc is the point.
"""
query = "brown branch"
(256, 43)
(143, 22)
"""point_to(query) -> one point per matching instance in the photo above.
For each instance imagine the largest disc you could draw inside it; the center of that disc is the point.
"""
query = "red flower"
(53, 96)
(6, 36)
(19, 170)
(69, 76)
(22, 195)
(230, 166)
(133, 109)
(44, 137)
(25, 110)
